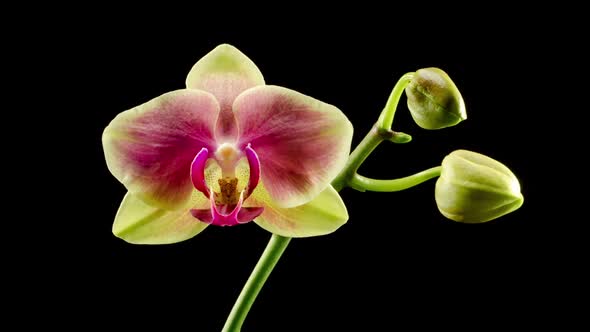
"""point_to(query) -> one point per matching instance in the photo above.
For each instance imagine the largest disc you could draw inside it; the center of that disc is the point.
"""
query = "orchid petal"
(302, 142)
(150, 148)
(140, 223)
(323, 215)
(225, 72)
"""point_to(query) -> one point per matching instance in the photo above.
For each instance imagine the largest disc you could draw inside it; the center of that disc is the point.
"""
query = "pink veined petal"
(150, 148)
(198, 171)
(225, 72)
(254, 163)
(302, 142)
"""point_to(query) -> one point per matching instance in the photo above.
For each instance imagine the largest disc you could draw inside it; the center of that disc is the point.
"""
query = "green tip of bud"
(434, 100)
(473, 188)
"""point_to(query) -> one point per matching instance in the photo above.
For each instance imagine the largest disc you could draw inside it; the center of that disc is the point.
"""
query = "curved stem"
(360, 153)
(386, 118)
(274, 249)
(362, 183)
(381, 131)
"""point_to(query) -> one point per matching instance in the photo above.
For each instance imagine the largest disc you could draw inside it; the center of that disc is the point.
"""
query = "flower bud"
(434, 100)
(473, 188)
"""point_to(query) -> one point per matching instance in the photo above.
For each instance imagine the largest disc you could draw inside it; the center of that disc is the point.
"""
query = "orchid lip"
(222, 219)
(238, 215)
(226, 156)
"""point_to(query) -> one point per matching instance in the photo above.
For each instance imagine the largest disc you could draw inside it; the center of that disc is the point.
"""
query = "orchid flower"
(226, 150)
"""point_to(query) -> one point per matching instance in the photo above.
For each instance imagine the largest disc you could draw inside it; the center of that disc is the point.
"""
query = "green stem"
(362, 183)
(386, 118)
(274, 249)
(362, 151)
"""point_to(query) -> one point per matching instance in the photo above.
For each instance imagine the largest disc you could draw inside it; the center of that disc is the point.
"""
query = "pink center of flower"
(226, 205)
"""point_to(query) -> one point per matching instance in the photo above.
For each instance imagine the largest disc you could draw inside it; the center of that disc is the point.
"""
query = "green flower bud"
(473, 188)
(434, 100)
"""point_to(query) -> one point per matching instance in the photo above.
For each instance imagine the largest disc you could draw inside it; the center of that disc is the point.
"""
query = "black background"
(397, 261)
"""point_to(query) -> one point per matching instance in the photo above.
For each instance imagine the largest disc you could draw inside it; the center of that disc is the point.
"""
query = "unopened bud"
(434, 100)
(473, 188)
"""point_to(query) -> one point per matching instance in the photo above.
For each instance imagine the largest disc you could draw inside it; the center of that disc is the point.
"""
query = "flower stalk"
(274, 250)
